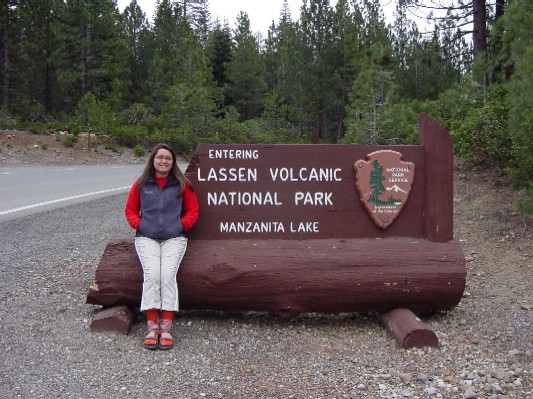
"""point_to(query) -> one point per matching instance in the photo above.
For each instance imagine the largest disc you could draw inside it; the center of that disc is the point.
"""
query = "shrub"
(526, 205)
(113, 147)
(6, 120)
(139, 150)
(172, 137)
(483, 134)
(138, 114)
(32, 127)
(94, 114)
(129, 136)
(70, 140)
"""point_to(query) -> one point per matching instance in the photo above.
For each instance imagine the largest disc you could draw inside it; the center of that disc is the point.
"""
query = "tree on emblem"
(376, 179)
(376, 183)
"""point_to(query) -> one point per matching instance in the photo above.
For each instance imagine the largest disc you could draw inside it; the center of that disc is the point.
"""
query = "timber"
(291, 277)
(116, 318)
(408, 330)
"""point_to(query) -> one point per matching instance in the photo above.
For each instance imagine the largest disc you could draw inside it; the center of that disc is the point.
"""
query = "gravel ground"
(47, 350)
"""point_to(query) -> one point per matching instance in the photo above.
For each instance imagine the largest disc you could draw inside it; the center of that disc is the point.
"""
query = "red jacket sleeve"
(133, 207)
(191, 208)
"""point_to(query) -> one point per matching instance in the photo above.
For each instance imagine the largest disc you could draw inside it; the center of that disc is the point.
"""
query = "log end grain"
(408, 330)
(117, 318)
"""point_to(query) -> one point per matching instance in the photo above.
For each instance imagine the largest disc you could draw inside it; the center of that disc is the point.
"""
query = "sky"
(260, 12)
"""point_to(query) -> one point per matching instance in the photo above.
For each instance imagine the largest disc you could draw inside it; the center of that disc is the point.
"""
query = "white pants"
(160, 263)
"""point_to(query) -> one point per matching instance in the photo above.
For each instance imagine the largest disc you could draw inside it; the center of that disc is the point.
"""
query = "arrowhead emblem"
(384, 182)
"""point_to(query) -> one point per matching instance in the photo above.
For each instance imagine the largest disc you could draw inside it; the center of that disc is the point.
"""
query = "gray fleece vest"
(160, 211)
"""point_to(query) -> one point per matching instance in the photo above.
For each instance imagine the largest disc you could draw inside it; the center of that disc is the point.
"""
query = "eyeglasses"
(163, 158)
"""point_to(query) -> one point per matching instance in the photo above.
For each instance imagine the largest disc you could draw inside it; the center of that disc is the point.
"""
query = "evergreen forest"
(324, 73)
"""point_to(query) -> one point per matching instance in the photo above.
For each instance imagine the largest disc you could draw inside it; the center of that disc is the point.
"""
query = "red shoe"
(165, 339)
(151, 341)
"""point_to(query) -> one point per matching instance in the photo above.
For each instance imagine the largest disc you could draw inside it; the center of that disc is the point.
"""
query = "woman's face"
(163, 162)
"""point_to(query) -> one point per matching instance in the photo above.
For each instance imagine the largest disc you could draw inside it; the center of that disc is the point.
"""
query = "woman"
(161, 207)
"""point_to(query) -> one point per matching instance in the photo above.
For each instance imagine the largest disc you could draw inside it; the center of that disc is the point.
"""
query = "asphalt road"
(29, 190)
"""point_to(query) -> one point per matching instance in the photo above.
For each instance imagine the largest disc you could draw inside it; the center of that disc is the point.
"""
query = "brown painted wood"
(428, 213)
(117, 318)
(290, 276)
(408, 330)
(438, 202)
(346, 219)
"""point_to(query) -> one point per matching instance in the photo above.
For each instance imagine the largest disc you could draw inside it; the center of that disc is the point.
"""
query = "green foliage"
(519, 39)
(526, 205)
(32, 127)
(375, 114)
(69, 127)
(245, 72)
(453, 105)
(483, 135)
(128, 136)
(138, 114)
(219, 51)
(522, 170)
(6, 120)
(113, 147)
(179, 140)
(139, 150)
(93, 114)
(70, 140)
(189, 108)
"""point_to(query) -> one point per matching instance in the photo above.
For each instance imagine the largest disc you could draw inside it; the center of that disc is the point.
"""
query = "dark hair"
(148, 173)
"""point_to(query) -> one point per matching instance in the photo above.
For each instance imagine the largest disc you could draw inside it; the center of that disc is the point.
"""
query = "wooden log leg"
(117, 318)
(408, 330)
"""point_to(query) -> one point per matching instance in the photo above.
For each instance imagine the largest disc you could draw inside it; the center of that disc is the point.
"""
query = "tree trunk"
(6, 70)
(500, 6)
(84, 59)
(480, 27)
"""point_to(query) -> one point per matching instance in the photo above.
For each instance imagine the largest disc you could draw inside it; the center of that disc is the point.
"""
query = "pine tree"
(317, 24)
(165, 64)
(284, 63)
(8, 27)
(138, 37)
(518, 37)
(246, 72)
(93, 55)
(219, 50)
(199, 18)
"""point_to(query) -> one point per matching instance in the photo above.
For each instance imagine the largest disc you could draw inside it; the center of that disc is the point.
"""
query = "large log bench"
(349, 264)
(291, 277)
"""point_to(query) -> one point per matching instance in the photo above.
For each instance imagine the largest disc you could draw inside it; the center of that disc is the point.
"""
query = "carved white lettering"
(397, 180)
(239, 198)
(306, 174)
(252, 227)
(305, 227)
(228, 174)
(233, 154)
(398, 170)
(315, 199)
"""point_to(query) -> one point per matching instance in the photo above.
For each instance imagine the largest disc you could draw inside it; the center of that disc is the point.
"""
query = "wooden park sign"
(288, 229)
(296, 192)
